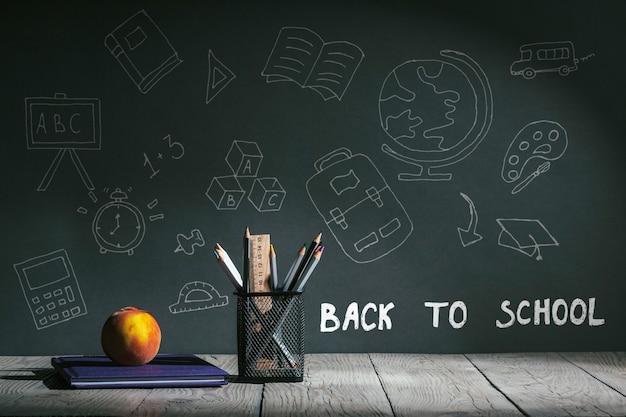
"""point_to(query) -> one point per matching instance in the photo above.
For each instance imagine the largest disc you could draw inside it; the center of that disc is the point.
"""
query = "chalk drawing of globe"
(437, 111)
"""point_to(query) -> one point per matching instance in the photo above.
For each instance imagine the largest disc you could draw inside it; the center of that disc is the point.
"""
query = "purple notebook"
(163, 371)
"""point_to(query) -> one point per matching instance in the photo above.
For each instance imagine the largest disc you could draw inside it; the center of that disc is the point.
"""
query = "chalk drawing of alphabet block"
(244, 158)
(267, 194)
(225, 192)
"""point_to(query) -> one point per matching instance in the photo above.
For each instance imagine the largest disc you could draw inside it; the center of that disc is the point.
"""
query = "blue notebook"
(164, 370)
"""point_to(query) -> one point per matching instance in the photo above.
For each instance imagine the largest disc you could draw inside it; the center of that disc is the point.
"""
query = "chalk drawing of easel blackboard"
(67, 125)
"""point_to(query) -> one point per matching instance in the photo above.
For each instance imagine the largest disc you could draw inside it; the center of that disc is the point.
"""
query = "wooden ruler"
(260, 269)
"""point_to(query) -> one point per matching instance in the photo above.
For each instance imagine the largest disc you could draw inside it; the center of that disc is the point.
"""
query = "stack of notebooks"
(164, 371)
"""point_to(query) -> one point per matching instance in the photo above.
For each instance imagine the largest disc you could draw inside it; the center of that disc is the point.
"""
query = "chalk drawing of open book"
(300, 55)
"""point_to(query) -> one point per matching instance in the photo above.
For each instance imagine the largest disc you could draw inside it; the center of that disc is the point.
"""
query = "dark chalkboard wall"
(468, 202)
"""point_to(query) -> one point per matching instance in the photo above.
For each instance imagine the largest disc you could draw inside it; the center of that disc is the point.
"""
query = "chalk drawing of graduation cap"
(525, 235)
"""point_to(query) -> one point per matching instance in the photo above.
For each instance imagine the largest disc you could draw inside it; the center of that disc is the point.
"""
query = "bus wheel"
(528, 73)
(564, 70)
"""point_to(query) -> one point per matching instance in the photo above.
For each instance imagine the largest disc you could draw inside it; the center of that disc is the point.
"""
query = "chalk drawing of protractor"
(533, 149)
(196, 296)
(469, 236)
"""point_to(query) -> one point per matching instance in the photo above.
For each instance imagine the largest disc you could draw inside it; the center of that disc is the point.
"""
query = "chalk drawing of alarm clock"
(118, 226)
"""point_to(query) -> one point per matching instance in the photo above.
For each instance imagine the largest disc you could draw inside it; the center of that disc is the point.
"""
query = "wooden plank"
(29, 386)
(20, 375)
(110, 402)
(429, 385)
(39, 390)
(334, 385)
(233, 399)
(540, 384)
(608, 367)
(545, 384)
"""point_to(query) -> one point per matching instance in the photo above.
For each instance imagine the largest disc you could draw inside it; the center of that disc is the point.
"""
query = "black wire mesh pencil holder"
(270, 337)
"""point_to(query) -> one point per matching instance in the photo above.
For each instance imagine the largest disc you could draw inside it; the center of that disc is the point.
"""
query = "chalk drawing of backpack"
(357, 205)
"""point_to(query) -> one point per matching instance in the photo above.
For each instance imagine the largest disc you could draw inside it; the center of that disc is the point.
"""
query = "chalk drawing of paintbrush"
(540, 170)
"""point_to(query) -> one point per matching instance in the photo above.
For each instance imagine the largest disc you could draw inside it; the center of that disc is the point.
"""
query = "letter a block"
(225, 192)
(244, 158)
(267, 194)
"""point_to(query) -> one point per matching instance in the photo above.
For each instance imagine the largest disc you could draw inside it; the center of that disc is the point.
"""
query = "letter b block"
(267, 194)
(225, 192)
(244, 158)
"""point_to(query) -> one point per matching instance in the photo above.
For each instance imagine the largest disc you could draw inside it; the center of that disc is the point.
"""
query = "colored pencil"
(294, 267)
(246, 260)
(309, 254)
(274, 269)
(299, 286)
(228, 267)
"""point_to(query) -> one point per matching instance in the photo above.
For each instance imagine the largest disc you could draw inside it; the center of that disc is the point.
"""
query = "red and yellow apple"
(131, 336)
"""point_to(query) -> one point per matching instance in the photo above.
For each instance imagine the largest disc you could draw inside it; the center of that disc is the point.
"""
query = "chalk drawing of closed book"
(142, 50)
(357, 205)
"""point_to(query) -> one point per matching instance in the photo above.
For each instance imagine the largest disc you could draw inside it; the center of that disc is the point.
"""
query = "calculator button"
(43, 321)
(35, 300)
(65, 314)
(50, 306)
(70, 293)
(54, 317)
(47, 295)
(58, 292)
(40, 310)
(61, 301)
(75, 310)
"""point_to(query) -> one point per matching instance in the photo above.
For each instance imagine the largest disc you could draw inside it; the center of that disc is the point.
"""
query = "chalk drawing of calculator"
(51, 289)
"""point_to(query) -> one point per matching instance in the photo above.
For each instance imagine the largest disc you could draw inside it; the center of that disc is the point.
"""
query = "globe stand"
(429, 176)
(425, 171)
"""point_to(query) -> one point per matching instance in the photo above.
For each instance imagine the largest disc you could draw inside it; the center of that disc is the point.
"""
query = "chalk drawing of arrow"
(469, 236)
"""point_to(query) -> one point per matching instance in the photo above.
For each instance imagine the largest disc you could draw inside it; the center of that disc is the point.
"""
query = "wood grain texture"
(234, 399)
(535, 384)
(30, 386)
(545, 384)
(334, 385)
(21, 374)
(429, 385)
(608, 367)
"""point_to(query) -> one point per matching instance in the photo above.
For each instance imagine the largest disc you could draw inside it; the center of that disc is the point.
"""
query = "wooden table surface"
(507, 384)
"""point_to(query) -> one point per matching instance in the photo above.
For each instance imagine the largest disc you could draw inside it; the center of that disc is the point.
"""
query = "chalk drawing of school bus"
(545, 57)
